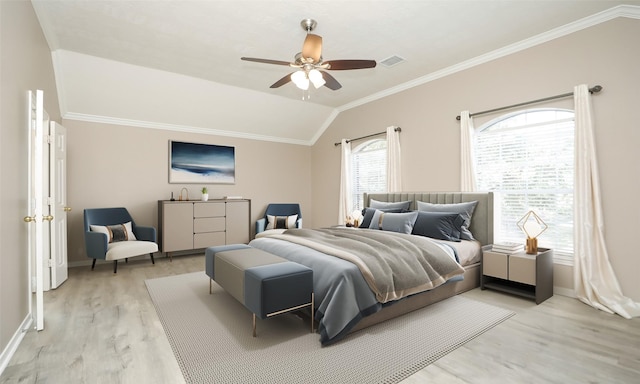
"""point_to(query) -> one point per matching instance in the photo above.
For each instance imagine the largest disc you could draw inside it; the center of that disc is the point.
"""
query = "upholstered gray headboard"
(481, 222)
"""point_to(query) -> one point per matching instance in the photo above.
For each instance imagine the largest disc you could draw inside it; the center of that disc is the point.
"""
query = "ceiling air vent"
(392, 61)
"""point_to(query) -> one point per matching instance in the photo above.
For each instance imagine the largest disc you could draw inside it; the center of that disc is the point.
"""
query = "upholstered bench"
(266, 284)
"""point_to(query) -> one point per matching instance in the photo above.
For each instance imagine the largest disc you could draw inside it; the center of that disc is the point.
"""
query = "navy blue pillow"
(438, 225)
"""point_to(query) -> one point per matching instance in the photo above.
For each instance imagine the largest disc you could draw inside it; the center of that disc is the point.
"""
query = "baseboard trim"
(564, 292)
(15, 341)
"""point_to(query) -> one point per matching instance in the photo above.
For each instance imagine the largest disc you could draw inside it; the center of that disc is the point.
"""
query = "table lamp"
(533, 226)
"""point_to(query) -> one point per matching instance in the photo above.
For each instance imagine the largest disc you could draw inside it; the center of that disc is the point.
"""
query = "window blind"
(369, 170)
(527, 159)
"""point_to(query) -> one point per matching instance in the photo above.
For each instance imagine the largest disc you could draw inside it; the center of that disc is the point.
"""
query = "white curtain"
(467, 171)
(394, 170)
(344, 208)
(595, 282)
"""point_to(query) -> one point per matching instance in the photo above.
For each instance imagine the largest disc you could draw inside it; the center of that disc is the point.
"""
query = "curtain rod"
(396, 129)
(595, 89)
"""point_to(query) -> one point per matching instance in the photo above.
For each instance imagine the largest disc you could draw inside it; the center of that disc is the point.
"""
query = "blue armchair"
(111, 234)
(280, 210)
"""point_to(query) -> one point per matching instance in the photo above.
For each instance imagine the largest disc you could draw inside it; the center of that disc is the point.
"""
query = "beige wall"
(603, 54)
(26, 64)
(111, 165)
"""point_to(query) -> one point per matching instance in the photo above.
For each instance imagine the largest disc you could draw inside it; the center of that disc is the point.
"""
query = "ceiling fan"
(311, 67)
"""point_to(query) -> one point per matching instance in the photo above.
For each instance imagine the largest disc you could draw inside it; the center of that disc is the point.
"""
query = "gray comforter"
(356, 271)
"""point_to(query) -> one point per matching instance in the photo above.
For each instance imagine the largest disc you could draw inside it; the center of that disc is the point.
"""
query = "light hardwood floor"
(103, 328)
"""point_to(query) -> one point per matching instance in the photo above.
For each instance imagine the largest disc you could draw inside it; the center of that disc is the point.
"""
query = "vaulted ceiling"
(176, 64)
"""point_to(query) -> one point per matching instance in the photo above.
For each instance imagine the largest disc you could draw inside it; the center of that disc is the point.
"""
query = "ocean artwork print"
(201, 163)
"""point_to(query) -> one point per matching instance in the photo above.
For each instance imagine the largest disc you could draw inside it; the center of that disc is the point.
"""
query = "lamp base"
(532, 245)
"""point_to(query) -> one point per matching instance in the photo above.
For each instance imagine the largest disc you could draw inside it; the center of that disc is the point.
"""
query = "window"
(527, 158)
(368, 170)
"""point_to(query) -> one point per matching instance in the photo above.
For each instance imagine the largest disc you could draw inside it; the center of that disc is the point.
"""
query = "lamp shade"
(533, 226)
(300, 79)
(316, 78)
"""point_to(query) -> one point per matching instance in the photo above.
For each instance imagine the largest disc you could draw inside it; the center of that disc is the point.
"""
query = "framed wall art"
(191, 163)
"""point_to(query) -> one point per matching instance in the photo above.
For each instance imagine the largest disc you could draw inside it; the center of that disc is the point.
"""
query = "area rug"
(212, 341)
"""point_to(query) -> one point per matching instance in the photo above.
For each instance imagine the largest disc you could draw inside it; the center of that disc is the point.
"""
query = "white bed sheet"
(469, 251)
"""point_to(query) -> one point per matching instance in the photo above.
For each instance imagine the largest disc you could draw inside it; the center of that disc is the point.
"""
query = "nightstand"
(521, 274)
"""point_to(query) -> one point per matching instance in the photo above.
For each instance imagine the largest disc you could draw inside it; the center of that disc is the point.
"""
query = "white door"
(36, 204)
(58, 203)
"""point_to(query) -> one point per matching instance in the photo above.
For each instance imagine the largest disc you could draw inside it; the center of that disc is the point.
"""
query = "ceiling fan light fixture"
(300, 79)
(316, 78)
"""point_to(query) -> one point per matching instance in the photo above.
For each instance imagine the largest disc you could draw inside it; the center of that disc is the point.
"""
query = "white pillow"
(117, 232)
(277, 222)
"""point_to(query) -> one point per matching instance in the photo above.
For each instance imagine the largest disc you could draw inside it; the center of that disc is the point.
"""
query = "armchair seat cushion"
(126, 249)
(269, 232)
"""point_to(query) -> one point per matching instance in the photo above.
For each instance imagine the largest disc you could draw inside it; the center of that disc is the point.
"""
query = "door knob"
(67, 209)
(29, 219)
(47, 218)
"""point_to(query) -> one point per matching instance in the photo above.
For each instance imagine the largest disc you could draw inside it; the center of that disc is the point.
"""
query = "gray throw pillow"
(367, 215)
(394, 222)
(403, 205)
(464, 209)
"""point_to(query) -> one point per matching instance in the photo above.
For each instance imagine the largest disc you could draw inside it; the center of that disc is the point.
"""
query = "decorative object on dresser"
(518, 273)
(205, 194)
(533, 226)
(111, 234)
(195, 225)
(201, 163)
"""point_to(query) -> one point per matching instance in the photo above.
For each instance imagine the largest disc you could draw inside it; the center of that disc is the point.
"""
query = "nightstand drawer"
(522, 268)
(495, 264)
(521, 274)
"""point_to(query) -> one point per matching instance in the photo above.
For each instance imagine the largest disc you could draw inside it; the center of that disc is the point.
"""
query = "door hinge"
(50, 263)
(48, 138)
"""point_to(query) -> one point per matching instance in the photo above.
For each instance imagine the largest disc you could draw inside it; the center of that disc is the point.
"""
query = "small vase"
(205, 196)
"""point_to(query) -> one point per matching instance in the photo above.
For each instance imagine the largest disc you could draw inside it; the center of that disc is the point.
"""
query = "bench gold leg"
(312, 314)
(254, 325)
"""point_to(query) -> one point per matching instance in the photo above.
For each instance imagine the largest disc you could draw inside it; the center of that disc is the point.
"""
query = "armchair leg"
(152, 261)
(93, 264)
(115, 266)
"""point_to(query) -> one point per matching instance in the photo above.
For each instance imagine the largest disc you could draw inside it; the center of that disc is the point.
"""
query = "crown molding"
(178, 128)
(629, 11)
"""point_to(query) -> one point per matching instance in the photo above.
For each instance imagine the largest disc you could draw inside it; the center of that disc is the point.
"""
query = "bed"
(346, 299)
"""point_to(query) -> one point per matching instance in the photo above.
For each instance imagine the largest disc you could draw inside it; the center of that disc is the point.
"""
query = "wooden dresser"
(194, 225)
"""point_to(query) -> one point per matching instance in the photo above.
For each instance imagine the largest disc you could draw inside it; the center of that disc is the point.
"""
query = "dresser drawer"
(208, 239)
(209, 224)
(495, 264)
(209, 210)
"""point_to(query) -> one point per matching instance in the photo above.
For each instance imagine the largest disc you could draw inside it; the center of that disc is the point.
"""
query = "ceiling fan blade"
(282, 81)
(312, 47)
(265, 61)
(338, 65)
(331, 82)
